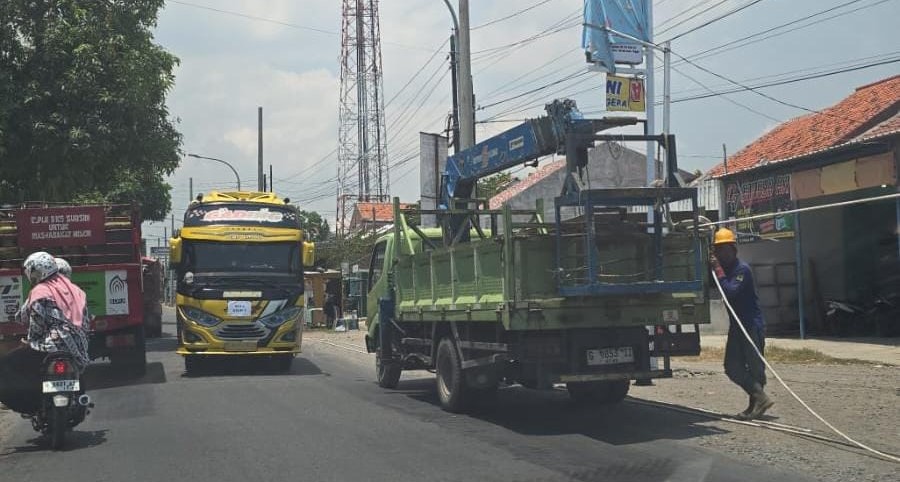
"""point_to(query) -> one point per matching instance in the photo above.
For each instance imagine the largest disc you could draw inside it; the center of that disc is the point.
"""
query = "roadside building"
(372, 216)
(610, 165)
(845, 153)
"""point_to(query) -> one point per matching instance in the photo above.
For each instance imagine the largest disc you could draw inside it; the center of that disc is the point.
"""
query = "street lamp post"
(223, 162)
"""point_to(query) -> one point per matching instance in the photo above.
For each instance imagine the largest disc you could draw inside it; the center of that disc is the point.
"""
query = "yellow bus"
(239, 263)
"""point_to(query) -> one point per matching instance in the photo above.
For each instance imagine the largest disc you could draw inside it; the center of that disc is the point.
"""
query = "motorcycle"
(63, 403)
(842, 318)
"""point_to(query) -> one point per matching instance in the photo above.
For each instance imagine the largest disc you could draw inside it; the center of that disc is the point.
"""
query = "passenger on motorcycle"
(56, 310)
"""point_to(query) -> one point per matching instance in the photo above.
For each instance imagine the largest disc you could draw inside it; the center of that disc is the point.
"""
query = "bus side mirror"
(309, 253)
(174, 252)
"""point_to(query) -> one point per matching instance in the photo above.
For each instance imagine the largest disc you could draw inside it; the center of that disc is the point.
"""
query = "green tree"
(314, 225)
(82, 103)
(492, 185)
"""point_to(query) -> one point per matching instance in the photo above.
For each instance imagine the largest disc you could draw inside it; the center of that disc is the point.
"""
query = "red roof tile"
(830, 127)
(501, 198)
(383, 212)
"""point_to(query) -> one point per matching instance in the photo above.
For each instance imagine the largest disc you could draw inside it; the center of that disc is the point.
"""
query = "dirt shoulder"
(859, 398)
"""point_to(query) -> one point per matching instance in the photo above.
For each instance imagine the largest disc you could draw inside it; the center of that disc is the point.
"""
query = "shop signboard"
(764, 195)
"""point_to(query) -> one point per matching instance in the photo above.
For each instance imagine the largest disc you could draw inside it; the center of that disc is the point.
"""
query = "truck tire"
(134, 360)
(283, 363)
(191, 364)
(387, 374)
(603, 392)
(451, 382)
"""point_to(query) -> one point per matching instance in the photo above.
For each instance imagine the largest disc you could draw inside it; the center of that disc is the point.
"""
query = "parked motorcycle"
(843, 318)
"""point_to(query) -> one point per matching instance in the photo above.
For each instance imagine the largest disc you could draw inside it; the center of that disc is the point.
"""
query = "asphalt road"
(328, 421)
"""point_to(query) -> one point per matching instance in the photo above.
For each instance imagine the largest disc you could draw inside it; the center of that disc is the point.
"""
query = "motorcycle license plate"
(55, 386)
(610, 356)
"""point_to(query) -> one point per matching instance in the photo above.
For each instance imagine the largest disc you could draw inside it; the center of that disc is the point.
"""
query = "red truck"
(103, 245)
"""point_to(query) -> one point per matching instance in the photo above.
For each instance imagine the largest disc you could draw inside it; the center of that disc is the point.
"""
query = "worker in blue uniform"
(742, 365)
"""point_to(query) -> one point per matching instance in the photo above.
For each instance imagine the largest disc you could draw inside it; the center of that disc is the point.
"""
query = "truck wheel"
(387, 374)
(604, 392)
(191, 364)
(283, 363)
(133, 361)
(451, 382)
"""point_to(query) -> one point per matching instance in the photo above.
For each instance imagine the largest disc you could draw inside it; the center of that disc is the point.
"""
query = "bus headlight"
(277, 319)
(200, 317)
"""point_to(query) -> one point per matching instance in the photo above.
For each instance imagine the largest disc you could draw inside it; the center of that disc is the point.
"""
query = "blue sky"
(231, 64)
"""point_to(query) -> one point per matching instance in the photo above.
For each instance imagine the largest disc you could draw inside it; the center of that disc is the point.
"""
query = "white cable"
(777, 376)
(802, 210)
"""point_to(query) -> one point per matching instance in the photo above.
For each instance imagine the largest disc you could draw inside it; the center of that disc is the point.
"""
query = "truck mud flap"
(666, 343)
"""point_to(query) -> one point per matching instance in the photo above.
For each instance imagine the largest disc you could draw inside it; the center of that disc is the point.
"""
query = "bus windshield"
(258, 258)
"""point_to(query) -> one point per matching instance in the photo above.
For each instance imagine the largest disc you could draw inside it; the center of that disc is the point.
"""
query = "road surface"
(327, 421)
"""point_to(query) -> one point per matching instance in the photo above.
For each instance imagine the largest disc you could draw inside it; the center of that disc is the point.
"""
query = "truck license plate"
(610, 356)
(55, 386)
(240, 346)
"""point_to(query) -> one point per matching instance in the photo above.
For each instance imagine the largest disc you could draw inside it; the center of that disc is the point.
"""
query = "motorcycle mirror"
(189, 278)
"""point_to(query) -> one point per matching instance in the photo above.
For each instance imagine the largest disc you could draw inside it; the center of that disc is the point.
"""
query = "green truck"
(604, 294)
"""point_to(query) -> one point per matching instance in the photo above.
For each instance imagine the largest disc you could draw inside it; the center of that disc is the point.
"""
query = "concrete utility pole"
(466, 94)
(259, 177)
(191, 188)
(271, 180)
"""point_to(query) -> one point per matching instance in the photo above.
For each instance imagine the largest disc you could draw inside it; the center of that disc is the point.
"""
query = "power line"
(714, 20)
(817, 75)
(750, 39)
(743, 106)
(275, 21)
(841, 64)
(657, 29)
(416, 74)
(566, 22)
(514, 14)
(755, 91)
(579, 73)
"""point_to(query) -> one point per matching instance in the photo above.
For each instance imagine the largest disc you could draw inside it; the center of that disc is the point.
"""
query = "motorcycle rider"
(57, 317)
(64, 268)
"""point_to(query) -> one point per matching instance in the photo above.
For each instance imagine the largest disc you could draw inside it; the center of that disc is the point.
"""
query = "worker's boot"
(745, 415)
(763, 402)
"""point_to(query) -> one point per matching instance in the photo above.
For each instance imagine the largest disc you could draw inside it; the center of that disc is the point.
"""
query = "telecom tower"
(362, 148)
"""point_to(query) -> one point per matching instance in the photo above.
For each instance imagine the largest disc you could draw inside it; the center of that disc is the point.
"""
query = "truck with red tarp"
(102, 243)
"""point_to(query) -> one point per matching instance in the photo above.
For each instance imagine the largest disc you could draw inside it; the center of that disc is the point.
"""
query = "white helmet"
(39, 266)
(63, 267)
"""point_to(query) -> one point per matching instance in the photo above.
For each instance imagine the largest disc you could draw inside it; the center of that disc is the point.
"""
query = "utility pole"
(454, 65)
(466, 95)
(173, 224)
(259, 175)
(649, 97)
(271, 180)
(191, 188)
(165, 233)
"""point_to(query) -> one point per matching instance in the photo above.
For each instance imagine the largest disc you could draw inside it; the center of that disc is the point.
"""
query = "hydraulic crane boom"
(526, 142)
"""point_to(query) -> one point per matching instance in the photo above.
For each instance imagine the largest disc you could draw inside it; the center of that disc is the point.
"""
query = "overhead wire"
(716, 19)
(512, 15)
(762, 35)
(277, 22)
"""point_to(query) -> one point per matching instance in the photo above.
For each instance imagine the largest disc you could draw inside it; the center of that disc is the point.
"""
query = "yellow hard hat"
(724, 236)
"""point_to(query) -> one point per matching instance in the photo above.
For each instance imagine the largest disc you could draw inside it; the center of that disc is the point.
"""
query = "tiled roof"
(843, 122)
(497, 201)
(384, 212)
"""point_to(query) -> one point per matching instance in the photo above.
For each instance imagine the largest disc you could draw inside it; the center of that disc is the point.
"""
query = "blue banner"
(630, 17)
